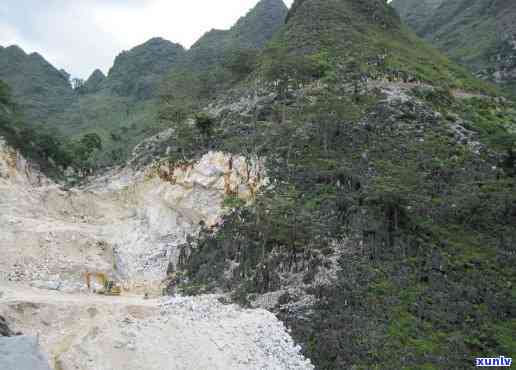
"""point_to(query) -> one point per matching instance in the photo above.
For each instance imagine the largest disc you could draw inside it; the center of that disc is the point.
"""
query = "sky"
(82, 35)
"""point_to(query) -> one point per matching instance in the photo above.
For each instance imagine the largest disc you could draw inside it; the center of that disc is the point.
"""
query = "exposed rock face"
(21, 353)
(126, 223)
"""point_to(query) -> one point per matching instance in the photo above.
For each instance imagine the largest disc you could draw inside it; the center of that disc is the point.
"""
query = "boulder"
(21, 353)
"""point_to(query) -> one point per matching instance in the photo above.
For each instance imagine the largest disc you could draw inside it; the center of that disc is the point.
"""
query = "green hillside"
(124, 110)
(416, 13)
(386, 236)
(137, 72)
(119, 107)
(388, 232)
(43, 147)
(358, 32)
(479, 34)
(93, 83)
(40, 89)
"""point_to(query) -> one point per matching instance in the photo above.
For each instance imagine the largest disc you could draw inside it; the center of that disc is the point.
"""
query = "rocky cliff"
(127, 223)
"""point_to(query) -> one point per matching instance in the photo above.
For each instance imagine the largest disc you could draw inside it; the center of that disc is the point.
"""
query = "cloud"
(83, 35)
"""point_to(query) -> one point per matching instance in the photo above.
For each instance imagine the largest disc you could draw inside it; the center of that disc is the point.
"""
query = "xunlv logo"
(495, 361)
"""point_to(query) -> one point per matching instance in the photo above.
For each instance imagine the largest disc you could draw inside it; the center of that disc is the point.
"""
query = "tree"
(92, 142)
(81, 152)
(204, 123)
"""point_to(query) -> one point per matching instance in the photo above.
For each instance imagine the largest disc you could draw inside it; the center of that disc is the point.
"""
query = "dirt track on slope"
(81, 331)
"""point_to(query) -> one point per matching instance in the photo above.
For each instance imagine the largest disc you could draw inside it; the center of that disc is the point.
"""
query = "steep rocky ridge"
(252, 31)
(322, 252)
(40, 89)
(136, 73)
(257, 27)
(93, 83)
(366, 38)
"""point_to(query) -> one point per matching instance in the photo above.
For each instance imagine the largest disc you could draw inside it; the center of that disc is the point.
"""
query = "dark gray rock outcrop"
(21, 353)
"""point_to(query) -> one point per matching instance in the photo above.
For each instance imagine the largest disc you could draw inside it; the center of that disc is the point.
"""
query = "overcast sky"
(81, 35)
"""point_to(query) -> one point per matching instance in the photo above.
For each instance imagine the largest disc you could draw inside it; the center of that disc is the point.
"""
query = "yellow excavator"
(110, 288)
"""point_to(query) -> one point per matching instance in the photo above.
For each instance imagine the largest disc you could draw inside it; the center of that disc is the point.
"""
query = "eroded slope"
(126, 224)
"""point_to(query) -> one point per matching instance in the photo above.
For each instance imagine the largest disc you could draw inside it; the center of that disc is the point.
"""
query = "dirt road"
(89, 332)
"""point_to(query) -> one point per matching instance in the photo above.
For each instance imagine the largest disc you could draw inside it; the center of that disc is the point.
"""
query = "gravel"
(268, 333)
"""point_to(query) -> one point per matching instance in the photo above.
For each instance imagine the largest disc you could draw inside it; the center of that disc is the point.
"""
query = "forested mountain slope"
(385, 234)
(416, 13)
(40, 88)
(480, 34)
(252, 31)
(94, 82)
(137, 72)
(121, 108)
(386, 239)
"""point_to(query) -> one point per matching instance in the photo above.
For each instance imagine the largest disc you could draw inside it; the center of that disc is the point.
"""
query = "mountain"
(257, 28)
(40, 89)
(94, 82)
(136, 73)
(118, 108)
(380, 240)
(219, 60)
(368, 34)
(378, 216)
(322, 24)
(252, 31)
(480, 34)
(122, 106)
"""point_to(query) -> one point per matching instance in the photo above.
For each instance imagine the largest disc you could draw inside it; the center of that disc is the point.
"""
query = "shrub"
(204, 123)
